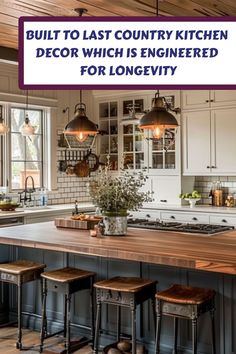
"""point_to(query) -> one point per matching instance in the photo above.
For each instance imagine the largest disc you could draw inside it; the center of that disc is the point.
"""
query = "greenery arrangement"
(192, 195)
(114, 195)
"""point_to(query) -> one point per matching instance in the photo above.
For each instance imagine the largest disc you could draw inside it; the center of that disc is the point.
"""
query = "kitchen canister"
(218, 197)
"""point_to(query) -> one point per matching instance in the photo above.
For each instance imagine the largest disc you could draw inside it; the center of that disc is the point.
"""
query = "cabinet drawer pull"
(211, 100)
(195, 219)
(213, 166)
(148, 215)
(172, 217)
(163, 200)
(223, 220)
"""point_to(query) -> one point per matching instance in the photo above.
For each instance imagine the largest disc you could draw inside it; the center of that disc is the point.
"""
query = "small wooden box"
(76, 224)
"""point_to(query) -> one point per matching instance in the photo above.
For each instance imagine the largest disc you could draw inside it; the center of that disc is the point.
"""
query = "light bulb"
(81, 137)
(158, 132)
(27, 129)
(3, 128)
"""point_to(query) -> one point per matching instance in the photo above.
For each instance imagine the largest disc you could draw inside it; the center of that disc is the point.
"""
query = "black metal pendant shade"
(80, 123)
(158, 116)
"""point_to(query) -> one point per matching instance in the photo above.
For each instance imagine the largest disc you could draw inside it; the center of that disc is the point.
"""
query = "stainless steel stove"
(177, 226)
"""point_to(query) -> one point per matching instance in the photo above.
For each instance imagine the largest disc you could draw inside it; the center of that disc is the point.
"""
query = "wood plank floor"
(30, 340)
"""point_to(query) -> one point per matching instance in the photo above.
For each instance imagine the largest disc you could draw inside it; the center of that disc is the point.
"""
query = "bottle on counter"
(43, 197)
(218, 195)
(212, 191)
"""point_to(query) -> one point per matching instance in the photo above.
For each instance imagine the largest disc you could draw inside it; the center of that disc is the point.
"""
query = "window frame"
(5, 148)
(25, 161)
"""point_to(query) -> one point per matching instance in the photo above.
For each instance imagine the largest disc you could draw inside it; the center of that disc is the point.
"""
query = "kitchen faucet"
(23, 195)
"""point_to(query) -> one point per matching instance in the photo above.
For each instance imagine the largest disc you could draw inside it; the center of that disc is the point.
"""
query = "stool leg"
(154, 314)
(18, 343)
(212, 313)
(43, 331)
(158, 326)
(68, 302)
(65, 315)
(133, 320)
(118, 323)
(92, 310)
(97, 326)
(176, 322)
(194, 335)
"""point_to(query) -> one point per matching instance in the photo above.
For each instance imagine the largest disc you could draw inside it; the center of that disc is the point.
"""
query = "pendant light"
(3, 127)
(158, 118)
(80, 125)
(27, 129)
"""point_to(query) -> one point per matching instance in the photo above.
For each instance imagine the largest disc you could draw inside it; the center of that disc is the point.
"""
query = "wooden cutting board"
(76, 224)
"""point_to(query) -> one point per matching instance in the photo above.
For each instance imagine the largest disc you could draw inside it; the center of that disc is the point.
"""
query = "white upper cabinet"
(195, 99)
(192, 100)
(196, 142)
(209, 144)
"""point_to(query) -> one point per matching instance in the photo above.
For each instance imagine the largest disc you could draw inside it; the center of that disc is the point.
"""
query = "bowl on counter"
(192, 201)
(8, 206)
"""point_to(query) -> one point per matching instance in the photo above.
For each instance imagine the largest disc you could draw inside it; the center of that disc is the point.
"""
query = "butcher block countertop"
(215, 253)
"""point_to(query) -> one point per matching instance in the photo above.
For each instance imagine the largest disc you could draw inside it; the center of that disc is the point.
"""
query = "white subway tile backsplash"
(203, 185)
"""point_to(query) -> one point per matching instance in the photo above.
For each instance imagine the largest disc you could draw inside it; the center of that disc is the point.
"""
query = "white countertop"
(198, 208)
(52, 209)
(86, 206)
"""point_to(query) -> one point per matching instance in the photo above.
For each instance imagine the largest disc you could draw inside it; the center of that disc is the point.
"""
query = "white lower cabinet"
(223, 220)
(190, 216)
(185, 217)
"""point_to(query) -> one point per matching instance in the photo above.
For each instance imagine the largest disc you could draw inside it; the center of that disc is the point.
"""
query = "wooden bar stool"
(18, 273)
(186, 302)
(127, 292)
(66, 281)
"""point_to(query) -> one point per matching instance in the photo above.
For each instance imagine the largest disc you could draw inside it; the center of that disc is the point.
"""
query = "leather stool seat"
(18, 273)
(66, 281)
(187, 302)
(182, 294)
(127, 292)
(129, 285)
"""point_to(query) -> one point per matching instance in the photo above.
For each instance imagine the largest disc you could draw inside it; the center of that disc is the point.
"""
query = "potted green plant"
(116, 195)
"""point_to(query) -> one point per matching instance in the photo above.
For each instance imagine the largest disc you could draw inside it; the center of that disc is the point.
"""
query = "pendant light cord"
(80, 96)
(157, 7)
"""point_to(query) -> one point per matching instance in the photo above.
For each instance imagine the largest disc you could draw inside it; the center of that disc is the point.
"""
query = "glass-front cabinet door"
(132, 137)
(129, 147)
(163, 154)
(108, 126)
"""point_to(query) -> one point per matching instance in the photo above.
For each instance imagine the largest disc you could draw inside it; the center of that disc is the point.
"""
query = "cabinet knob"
(207, 101)
(213, 166)
(172, 217)
(223, 220)
(148, 215)
(208, 166)
(195, 219)
(211, 100)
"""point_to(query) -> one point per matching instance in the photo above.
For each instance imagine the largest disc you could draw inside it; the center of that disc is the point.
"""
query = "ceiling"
(11, 10)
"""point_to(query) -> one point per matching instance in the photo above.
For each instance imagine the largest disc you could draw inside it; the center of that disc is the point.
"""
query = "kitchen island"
(169, 257)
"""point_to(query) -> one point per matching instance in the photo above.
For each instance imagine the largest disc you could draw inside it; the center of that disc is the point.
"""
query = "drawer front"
(185, 217)
(146, 214)
(223, 220)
